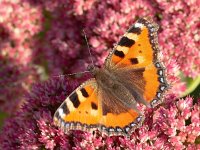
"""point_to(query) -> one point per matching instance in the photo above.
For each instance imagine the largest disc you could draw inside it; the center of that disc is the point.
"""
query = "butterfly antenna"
(71, 74)
(88, 47)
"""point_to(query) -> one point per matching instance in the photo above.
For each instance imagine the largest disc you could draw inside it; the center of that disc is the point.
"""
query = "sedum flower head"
(19, 22)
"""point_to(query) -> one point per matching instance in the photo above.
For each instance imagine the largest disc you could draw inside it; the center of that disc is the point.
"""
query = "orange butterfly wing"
(80, 107)
(138, 50)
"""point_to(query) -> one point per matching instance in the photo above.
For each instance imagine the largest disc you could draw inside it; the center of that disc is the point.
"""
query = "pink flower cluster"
(180, 35)
(175, 124)
(19, 22)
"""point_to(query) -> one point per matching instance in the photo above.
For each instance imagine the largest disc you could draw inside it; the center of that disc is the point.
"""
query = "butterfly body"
(131, 74)
(111, 84)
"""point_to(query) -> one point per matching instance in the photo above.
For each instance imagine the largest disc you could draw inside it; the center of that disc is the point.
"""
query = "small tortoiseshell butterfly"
(131, 74)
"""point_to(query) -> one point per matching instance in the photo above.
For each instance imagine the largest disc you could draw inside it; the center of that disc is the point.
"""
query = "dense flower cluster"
(180, 35)
(175, 124)
(19, 22)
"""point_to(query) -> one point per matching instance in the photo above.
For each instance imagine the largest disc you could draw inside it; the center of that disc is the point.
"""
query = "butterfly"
(132, 74)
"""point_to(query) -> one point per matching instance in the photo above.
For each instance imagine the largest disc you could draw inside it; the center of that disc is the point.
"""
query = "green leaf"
(192, 85)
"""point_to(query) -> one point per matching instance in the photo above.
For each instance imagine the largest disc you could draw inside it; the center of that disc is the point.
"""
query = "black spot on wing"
(134, 61)
(84, 92)
(119, 53)
(74, 99)
(57, 115)
(65, 108)
(126, 42)
(94, 106)
(135, 30)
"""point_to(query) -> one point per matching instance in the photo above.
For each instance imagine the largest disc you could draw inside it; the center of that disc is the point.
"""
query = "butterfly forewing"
(138, 50)
(81, 107)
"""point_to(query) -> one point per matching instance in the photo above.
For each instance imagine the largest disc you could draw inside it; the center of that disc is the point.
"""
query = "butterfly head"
(93, 69)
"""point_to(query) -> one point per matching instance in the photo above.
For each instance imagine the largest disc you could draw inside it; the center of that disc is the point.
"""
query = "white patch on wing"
(132, 36)
(80, 96)
(138, 25)
(140, 59)
(124, 49)
(70, 105)
(61, 112)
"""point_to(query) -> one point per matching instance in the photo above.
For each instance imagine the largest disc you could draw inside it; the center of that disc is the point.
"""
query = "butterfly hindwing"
(117, 118)
(137, 50)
